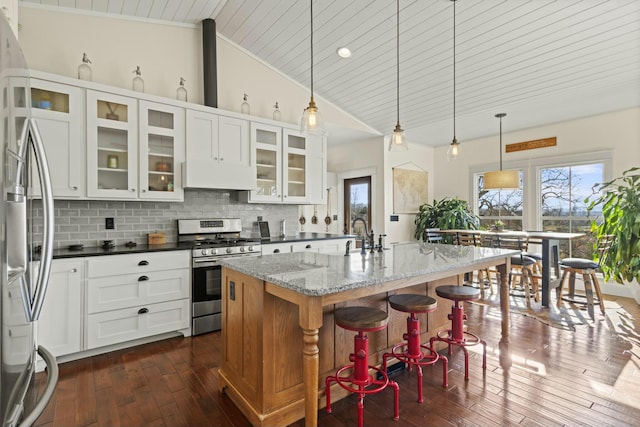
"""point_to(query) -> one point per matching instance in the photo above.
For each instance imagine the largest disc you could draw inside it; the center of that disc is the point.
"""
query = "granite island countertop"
(317, 274)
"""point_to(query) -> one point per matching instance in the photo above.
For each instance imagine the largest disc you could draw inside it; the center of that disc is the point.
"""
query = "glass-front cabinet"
(290, 166)
(134, 148)
(294, 171)
(268, 143)
(59, 115)
(161, 151)
(112, 154)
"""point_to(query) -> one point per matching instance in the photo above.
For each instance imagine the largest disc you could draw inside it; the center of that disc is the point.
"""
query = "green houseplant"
(446, 214)
(620, 203)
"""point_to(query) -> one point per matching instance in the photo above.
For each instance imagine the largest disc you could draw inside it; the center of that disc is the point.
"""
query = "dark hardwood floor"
(545, 376)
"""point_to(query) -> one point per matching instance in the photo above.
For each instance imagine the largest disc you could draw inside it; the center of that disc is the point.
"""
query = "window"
(503, 205)
(357, 204)
(563, 190)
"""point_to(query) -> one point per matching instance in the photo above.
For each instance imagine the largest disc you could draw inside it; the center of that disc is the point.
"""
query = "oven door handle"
(205, 260)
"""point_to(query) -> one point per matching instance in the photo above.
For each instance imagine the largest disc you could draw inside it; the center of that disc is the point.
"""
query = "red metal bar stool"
(457, 335)
(411, 351)
(355, 377)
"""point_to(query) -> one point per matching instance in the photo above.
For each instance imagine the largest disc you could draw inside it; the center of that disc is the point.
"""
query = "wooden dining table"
(549, 241)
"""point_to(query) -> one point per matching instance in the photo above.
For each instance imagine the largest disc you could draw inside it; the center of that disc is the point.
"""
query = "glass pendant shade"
(276, 112)
(398, 141)
(501, 180)
(311, 120)
(245, 108)
(453, 153)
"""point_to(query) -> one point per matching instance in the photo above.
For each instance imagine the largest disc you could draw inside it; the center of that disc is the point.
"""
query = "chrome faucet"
(366, 235)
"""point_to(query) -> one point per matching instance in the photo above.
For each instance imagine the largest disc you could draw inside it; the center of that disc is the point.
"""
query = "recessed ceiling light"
(343, 52)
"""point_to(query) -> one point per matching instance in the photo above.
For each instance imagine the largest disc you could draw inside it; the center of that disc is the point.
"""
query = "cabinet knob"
(143, 190)
(215, 158)
(143, 311)
(143, 278)
(74, 188)
(143, 262)
(74, 270)
(133, 190)
(221, 159)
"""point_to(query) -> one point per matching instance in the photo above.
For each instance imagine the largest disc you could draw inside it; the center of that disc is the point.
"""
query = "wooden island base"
(267, 339)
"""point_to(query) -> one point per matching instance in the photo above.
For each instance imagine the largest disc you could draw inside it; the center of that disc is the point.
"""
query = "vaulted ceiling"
(540, 61)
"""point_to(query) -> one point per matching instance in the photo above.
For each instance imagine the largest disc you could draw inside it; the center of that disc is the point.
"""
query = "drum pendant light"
(454, 148)
(311, 121)
(398, 142)
(501, 180)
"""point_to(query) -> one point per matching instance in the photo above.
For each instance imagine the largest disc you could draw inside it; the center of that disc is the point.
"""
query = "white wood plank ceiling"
(540, 61)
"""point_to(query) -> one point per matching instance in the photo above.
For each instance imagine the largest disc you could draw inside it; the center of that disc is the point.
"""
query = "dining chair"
(521, 266)
(588, 268)
(433, 235)
(471, 239)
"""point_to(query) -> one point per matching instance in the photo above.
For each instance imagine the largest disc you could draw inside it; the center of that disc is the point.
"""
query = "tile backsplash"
(83, 221)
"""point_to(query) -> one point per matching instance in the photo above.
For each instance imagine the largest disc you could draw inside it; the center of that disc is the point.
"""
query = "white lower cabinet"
(115, 326)
(318, 245)
(60, 323)
(134, 296)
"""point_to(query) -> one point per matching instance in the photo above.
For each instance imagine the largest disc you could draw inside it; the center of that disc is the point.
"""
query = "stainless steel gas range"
(211, 240)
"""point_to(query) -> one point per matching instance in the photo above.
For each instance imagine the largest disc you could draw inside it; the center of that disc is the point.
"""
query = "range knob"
(250, 248)
(229, 250)
(205, 252)
(241, 248)
(213, 251)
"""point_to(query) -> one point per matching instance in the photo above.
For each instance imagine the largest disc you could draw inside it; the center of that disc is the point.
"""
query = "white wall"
(618, 132)
(54, 41)
(417, 158)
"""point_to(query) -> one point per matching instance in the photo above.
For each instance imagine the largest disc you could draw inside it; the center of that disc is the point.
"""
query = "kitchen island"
(278, 334)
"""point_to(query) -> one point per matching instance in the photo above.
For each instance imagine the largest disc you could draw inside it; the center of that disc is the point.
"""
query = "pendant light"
(398, 142)
(454, 148)
(501, 180)
(311, 121)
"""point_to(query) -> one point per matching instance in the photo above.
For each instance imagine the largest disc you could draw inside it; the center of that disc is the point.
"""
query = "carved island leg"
(503, 271)
(310, 312)
(311, 361)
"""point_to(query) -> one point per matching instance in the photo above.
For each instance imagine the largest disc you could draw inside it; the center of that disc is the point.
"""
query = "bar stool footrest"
(347, 382)
(429, 357)
(472, 339)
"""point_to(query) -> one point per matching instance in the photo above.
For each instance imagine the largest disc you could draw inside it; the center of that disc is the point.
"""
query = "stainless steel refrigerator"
(26, 261)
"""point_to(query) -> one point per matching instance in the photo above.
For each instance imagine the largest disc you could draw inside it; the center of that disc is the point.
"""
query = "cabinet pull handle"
(308, 247)
(276, 251)
(74, 188)
(9, 332)
(143, 311)
(143, 278)
(143, 262)
(10, 294)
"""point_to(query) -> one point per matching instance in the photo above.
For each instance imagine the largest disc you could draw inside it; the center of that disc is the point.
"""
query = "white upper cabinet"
(112, 146)
(162, 133)
(59, 113)
(133, 151)
(290, 166)
(219, 152)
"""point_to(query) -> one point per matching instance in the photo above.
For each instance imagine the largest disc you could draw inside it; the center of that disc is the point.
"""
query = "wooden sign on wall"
(530, 145)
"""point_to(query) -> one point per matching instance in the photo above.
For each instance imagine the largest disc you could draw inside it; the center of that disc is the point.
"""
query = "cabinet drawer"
(137, 263)
(130, 290)
(276, 248)
(117, 326)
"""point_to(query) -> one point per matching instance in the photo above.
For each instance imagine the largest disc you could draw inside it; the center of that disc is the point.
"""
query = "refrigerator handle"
(52, 380)
(48, 219)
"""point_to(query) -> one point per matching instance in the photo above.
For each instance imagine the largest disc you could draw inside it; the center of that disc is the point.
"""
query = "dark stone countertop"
(117, 250)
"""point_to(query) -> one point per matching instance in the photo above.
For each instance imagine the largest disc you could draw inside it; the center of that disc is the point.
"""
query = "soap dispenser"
(138, 83)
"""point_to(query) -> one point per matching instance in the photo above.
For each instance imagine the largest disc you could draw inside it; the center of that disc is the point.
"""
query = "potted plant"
(446, 214)
(498, 226)
(619, 200)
